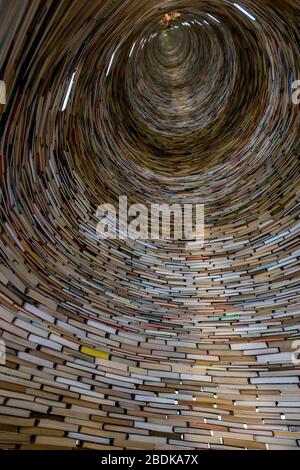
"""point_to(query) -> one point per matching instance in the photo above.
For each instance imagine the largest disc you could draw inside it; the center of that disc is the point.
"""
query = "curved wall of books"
(129, 344)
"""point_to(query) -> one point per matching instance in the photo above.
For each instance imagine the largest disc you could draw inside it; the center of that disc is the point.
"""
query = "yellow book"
(94, 353)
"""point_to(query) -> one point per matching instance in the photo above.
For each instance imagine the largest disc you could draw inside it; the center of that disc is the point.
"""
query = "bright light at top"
(68, 92)
(215, 19)
(111, 61)
(244, 11)
(132, 49)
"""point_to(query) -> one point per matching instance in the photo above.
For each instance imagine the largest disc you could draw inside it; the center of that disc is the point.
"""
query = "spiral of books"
(140, 343)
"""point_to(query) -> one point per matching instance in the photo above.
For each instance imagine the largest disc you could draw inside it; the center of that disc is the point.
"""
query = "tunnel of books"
(149, 344)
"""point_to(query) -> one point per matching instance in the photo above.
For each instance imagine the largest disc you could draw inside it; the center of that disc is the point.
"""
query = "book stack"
(149, 344)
